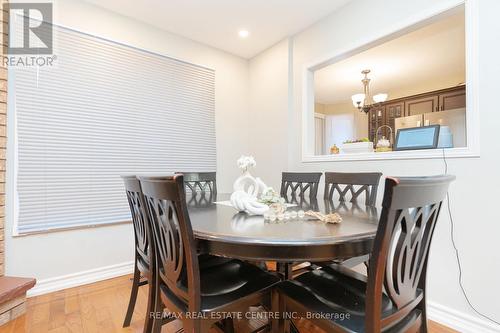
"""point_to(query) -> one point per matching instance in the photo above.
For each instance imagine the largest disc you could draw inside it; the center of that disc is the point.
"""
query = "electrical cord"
(457, 254)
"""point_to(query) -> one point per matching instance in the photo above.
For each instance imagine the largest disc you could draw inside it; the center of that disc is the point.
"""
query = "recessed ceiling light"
(243, 33)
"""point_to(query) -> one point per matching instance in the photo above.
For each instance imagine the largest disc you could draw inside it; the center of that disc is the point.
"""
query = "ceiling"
(217, 22)
(426, 59)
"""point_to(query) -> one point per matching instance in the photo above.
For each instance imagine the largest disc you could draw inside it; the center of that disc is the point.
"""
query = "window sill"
(17, 233)
(395, 155)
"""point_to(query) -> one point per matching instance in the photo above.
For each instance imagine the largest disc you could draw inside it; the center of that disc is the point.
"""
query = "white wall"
(56, 254)
(474, 196)
(268, 112)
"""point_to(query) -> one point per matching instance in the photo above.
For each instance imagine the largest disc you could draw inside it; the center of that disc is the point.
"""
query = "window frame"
(472, 113)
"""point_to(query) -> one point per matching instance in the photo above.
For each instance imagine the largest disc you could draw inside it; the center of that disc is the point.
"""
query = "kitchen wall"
(360, 118)
(473, 196)
(107, 250)
(319, 108)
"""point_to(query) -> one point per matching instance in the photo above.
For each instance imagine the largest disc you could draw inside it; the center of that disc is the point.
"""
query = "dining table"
(221, 230)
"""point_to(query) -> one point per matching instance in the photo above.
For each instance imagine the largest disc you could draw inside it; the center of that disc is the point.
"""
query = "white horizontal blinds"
(105, 110)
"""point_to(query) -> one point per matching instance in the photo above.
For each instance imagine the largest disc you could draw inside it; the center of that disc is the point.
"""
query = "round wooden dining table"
(223, 231)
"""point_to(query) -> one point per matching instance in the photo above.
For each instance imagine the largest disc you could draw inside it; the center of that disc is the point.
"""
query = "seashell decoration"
(327, 218)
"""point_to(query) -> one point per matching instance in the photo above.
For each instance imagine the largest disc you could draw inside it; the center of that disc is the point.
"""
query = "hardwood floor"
(100, 308)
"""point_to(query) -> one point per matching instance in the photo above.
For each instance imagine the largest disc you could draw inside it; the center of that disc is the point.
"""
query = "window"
(104, 110)
(413, 80)
(419, 75)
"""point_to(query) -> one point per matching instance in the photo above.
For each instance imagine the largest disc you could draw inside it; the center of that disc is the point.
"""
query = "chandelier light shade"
(358, 100)
(364, 102)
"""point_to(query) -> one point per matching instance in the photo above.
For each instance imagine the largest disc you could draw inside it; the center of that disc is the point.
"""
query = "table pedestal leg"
(284, 269)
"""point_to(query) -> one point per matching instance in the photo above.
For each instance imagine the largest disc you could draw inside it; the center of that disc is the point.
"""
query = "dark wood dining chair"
(304, 203)
(200, 181)
(298, 184)
(393, 296)
(351, 186)
(341, 187)
(183, 284)
(144, 263)
(300, 188)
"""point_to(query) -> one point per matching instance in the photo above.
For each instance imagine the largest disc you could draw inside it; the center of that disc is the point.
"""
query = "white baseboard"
(81, 278)
(460, 321)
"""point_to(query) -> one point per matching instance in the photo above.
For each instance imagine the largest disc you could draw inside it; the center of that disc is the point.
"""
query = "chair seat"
(334, 291)
(228, 282)
(208, 260)
(205, 260)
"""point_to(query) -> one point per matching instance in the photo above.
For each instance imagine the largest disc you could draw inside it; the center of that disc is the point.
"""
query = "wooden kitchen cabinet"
(434, 101)
(421, 105)
(376, 118)
(393, 111)
(452, 100)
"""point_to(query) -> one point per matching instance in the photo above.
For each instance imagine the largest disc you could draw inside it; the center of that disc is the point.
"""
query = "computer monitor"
(425, 137)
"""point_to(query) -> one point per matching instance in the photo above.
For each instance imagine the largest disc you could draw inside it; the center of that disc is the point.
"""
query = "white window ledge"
(395, 155)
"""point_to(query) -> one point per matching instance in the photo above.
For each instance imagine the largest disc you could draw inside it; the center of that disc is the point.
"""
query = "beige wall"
(319, 108)
(360, 118)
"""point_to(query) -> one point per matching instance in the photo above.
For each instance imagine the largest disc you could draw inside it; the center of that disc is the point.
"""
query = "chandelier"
(364, 102)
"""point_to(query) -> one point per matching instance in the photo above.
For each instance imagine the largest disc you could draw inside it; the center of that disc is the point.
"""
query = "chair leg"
(156, 323)
(228, 325)
(133, 296)
(157, 309)
(150, 313)
(285, 269)
(284, 323)
(275, 322)
(423, 314)
(286, 326)
(202, 326)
